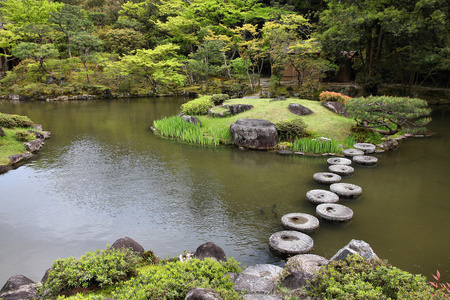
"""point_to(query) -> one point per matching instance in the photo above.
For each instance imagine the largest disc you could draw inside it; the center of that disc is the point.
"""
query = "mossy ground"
(9, 145)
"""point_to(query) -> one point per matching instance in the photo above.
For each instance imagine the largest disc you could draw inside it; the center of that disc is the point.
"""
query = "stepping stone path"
(326, 178)
(366, 147)
(334, 212)
(346, 190)
(300, 222)
(339, 161)
(291, 242)
(365, 160)
(321, 196)
(342, 170)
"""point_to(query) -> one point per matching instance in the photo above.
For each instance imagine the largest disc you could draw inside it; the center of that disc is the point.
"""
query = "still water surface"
(104, 175)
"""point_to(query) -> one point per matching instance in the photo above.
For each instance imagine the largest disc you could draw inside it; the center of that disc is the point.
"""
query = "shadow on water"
(104, 175)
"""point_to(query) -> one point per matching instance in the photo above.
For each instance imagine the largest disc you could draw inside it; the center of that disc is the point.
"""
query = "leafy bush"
(290, 130)
(333, 97)
(365, 135)
(219, 98)
(93, 268)
(199, 106)
(22, 121)
(440, 286)
(358, 278)
(24, 136)
(174, 279)
(6, 121)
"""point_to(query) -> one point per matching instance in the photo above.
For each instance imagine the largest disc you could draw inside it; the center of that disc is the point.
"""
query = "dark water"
(104, 175)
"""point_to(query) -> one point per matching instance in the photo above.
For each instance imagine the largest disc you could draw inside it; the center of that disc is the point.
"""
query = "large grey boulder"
(355, 247)
(18, 287)
(299, 110)
(202, 294)
(210, 250)
(267, 271)
(34, 146)
(296, 280)
(253, 284)
(335, 107)
(254, 134)
(128, 243)
(235, 109)
(16, 158)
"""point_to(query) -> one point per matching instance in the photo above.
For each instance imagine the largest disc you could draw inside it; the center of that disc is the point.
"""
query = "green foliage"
(199, 106)
(290, 130)
(174, 279)
(333, 96)
(11, 121)
(93, 268)
(316, 146)
(358, 278)
(7, 121)
(178, 128)
(443, 287)
(24, 136)
(219, 98)
(365, 135)
(389, 115)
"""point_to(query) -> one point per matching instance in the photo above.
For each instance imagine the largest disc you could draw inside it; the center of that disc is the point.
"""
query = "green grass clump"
(9, 145)
(316, 146)
(199, 106)
(97, 268)
(176, 127)
(358, 278)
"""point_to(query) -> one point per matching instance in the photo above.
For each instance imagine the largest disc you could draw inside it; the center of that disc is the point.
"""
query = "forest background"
(146, 47)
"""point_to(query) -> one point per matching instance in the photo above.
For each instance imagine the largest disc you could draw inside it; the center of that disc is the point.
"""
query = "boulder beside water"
(254, 134)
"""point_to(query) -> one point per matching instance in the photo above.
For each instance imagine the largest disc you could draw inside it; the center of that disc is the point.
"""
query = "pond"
(104, 175)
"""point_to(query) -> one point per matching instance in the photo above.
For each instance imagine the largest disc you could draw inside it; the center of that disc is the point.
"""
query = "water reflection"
(104, 175)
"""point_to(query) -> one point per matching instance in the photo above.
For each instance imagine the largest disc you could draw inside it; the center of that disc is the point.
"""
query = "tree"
(159, 66)
(123, 41)
(86, 43)
(36, 52)
(389, 115)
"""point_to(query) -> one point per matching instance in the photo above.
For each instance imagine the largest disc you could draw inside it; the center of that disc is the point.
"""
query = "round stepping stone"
(334, 212)
(300, 222)
(341, 169)
(346, 190)
(366, 147)
(291, 242)
(352, 152)
(339, 161)
(326, 178)
(365, 160)
(321, 196)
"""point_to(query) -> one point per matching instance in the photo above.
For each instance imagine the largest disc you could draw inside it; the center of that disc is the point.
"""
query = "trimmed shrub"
(6, 121)
(24, 136)
(199, 106)
(290, 130)
(333, 97)
(22, 121)
(100, 268)
(219, 98)
(358, 278)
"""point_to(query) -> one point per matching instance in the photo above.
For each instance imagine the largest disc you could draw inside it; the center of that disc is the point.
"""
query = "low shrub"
(219, 98)
(100, 268)
(290, 130)
(333, 97)
(22, 121)
(440, 286)
(24, 136)
(199, 106)
(358, 278)
(365, 135)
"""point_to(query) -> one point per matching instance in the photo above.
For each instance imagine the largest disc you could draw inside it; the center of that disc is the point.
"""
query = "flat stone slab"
(346, 190)
(334, 212)
(326, 178)
(321, 196)
(342, 170)
(365, 160)
(300, 222)
(339, 161)
(290, 242)
(310, 263)
(267, 271)
(352, 152)
(366, 147)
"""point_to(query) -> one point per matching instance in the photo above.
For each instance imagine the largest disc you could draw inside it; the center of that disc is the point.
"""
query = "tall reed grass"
(175, 127)
(316, 146)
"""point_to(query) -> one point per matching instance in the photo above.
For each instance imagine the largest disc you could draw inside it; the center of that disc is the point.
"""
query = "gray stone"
(16, 158)
(4, 169)
(346, 190)
(290, 242)
(202, 294)
(253, 284)
(254, 134)
(355, 247)
(128, 243)
(264, 271)
(299, 110)
(341, 169)
(191, 119)
(335, 107)
(34, 146)
(310, 263)
(366, 147)
(352, 152)
(339, 161)
(296, 280)
(326, 178)
(334, 212)
(365, 160)
(2, 132)
(37, 134)
(238, 108)
(46, 134)
(261, 297)
(320, 196)
(18, 287)
(300, 222)
(13, 97)
(210, 250)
